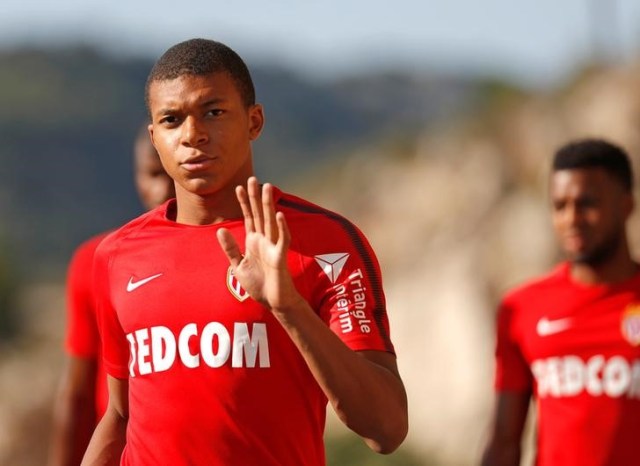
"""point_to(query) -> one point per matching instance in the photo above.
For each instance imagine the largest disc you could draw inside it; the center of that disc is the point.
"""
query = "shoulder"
(111, 241)
(87, 248)
(303, 214)
(535, 288)
(294, 204)
(94, 241)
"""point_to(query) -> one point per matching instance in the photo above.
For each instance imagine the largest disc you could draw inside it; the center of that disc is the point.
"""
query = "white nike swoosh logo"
(546, 327)
(134, 285)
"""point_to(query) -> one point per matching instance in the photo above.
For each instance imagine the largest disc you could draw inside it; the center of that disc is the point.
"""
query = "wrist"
(289, 305)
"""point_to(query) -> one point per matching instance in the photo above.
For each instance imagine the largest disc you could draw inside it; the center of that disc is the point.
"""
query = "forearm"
(502, 454)
(504, 446)
(107, 442)
(364, 389)
(73, 425)
(368, 397)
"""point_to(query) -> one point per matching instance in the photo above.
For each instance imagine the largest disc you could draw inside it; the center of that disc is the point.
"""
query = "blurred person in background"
(571, 339)
(82, 396)
(219, 354)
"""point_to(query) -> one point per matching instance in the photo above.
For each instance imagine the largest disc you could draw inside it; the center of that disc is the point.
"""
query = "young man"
(571, 338)
(82, 396)
(227, 326)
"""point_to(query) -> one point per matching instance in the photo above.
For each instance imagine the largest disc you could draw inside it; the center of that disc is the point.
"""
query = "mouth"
(575, 242)
(197, 163)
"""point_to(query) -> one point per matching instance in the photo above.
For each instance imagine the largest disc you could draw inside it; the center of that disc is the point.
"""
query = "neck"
(618, 268)
(194, 209)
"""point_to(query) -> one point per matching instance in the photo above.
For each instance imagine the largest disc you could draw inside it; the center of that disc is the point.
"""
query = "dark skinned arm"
(74, 416)
(504, 446)
(109, 438)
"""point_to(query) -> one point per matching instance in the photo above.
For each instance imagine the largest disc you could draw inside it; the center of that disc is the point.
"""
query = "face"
(590, 210)
(203, 131)
(152, 182)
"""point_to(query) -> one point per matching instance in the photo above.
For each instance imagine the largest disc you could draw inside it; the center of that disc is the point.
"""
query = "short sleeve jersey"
(82, 339)
(213, 377)
(577, 349)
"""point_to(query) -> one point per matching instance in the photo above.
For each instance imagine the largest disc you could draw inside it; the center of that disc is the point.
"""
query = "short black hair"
(201, 57)
(596, 153)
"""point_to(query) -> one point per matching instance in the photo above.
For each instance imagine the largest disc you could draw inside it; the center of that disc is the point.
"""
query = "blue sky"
(534, 41)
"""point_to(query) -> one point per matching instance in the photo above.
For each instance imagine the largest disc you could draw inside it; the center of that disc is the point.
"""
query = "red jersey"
(213, 377)
(576, 347)
(82, 338)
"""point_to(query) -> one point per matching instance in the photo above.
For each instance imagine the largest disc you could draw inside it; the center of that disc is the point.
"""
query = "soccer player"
(231, 315)
(82, 396)
(571, 338)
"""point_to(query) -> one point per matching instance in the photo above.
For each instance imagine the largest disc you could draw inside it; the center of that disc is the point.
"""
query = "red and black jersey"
(577, 348)
(213, 377)
(82, 339)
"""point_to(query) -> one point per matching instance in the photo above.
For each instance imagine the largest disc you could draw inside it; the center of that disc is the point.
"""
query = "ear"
(256, 121)
(629, 204)
(150, 129)
(626, 202)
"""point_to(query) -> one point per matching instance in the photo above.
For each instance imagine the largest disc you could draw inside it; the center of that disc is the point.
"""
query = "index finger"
(243, 200)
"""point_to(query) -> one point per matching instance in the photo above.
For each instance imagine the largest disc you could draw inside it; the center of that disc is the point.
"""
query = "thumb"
(229, 246)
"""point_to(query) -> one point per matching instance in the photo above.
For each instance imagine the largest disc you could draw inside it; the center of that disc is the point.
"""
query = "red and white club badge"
(630, 324)
(234, 286)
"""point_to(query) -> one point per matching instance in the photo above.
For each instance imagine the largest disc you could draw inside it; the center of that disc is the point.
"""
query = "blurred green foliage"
(70, 115)
(9, 287)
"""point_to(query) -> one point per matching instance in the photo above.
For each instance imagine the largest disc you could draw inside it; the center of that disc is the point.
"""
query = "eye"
(587, 202)
(169, 120)
(215, 112)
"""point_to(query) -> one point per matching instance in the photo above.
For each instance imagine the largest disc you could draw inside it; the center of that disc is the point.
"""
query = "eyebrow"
(206, 103)
(215, 100)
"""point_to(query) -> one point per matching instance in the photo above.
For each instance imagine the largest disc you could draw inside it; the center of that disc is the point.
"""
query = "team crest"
(234, 286)
(630, 324)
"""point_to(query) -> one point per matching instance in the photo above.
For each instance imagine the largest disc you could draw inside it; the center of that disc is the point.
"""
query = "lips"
(197, 163)
(575, 242)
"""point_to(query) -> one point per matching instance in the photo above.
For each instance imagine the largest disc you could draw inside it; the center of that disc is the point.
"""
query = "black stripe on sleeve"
(379, 310)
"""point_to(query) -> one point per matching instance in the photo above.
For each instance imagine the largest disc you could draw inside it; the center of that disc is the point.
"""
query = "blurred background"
(429, 124)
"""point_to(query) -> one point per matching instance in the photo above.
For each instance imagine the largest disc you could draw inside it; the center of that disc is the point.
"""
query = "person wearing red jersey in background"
(571, 339)
(231, 315)
(82, 396)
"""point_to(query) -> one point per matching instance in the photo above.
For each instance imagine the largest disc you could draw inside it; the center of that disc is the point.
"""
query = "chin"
(576, 256)
(580, 259)
(592, 258)
(201, 187)
(580, 256)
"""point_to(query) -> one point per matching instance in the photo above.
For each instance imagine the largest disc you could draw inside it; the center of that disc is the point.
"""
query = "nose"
(193, 132)
(573, 215)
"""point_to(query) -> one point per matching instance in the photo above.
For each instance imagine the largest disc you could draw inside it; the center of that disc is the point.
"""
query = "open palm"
(262, 270)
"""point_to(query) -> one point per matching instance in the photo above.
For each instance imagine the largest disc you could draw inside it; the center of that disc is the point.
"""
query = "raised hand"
(262, 270)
